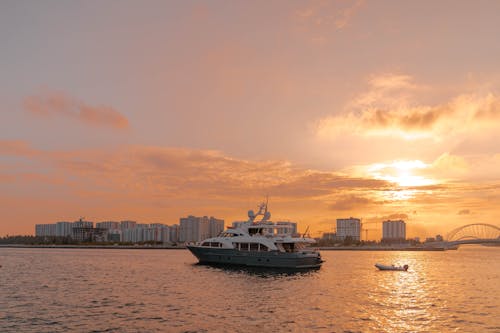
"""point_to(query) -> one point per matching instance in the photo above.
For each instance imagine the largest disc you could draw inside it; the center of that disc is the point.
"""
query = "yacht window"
(205, 244)
(254, 246)
(262, 247)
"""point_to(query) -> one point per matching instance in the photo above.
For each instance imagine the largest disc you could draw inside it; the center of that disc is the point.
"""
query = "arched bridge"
(477, 233)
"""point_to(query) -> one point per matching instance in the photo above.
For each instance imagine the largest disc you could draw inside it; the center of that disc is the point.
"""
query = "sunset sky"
(153, 110)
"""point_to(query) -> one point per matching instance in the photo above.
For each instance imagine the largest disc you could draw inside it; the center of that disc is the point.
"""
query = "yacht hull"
(274, 259)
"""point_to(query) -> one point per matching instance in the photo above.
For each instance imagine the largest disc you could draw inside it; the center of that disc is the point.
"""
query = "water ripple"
(79, 290)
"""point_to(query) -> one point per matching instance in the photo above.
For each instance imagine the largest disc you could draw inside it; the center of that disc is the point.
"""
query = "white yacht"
(262, 244)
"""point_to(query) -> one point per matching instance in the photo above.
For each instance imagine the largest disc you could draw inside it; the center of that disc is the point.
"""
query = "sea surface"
(115, 290)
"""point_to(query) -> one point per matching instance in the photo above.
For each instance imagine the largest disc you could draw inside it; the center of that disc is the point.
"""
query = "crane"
(363, 228)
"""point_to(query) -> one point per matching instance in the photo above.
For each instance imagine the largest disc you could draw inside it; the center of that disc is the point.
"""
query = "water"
(88, 290)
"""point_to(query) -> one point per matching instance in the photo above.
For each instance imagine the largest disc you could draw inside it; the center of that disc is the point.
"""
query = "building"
(110, 225)
(127, 225)
(215, 226)
(193, 229)
(350, 227)
(165, 234)
(173, 232)
(114, 235)
(286, 228)
(64, 229)
(83, 224)
(393, 231)
(128, 231)
(154, 232)
(45, 230)
(114, 232)
(196, 229)
(329, 236)
(84, 231)
(131, 235)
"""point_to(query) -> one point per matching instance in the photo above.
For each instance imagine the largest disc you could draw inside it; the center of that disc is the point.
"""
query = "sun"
(402, 173)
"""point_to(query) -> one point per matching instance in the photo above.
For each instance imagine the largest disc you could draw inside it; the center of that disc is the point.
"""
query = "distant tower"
(350, 227)
(393, 231)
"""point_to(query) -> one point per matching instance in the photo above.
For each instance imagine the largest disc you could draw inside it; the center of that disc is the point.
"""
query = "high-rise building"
(115, 235)
(142, 232)
(127, 225)
(64, 229)
(84, 231)
(193, 229)
(110, 225)
(83, 224)
(165, 234)
(215, 226)
(45, 230)
(196, 229)
(350, 227)
(393, 230)
(173, 231)
(132, 235)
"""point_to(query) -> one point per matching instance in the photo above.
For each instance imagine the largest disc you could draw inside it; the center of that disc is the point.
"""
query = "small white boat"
(391, 267)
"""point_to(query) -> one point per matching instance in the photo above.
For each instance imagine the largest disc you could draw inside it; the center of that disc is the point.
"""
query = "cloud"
(346, 15)
(188, 173)
(16, 148)
(390, 108)
(325, 13)
(60, 104)
(319, 18)
(350, 202)
(381, 218)
(397, 216)
(144, 182)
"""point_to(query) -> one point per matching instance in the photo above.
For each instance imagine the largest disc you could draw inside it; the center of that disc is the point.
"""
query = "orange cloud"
(325, 13)
(318, 19)
(144, 183)
(16, 148)
(391, 108)
(177, 172)
(350, 202)
(60, 104)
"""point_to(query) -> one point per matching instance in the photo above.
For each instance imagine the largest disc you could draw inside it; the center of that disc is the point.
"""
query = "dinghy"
(391, 267)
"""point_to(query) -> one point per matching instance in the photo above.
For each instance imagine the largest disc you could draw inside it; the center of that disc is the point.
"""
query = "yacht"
(259, 244)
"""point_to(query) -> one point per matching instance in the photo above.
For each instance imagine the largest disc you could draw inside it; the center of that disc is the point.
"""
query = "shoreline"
(183, 247)
(382, 248)
(118, 247)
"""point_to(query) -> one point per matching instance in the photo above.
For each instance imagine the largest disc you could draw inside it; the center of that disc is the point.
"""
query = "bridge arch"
(474, 231)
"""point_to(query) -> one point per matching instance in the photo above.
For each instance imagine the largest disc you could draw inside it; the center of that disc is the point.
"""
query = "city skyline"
(380, 110)
(189, 229)
(342, 227)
